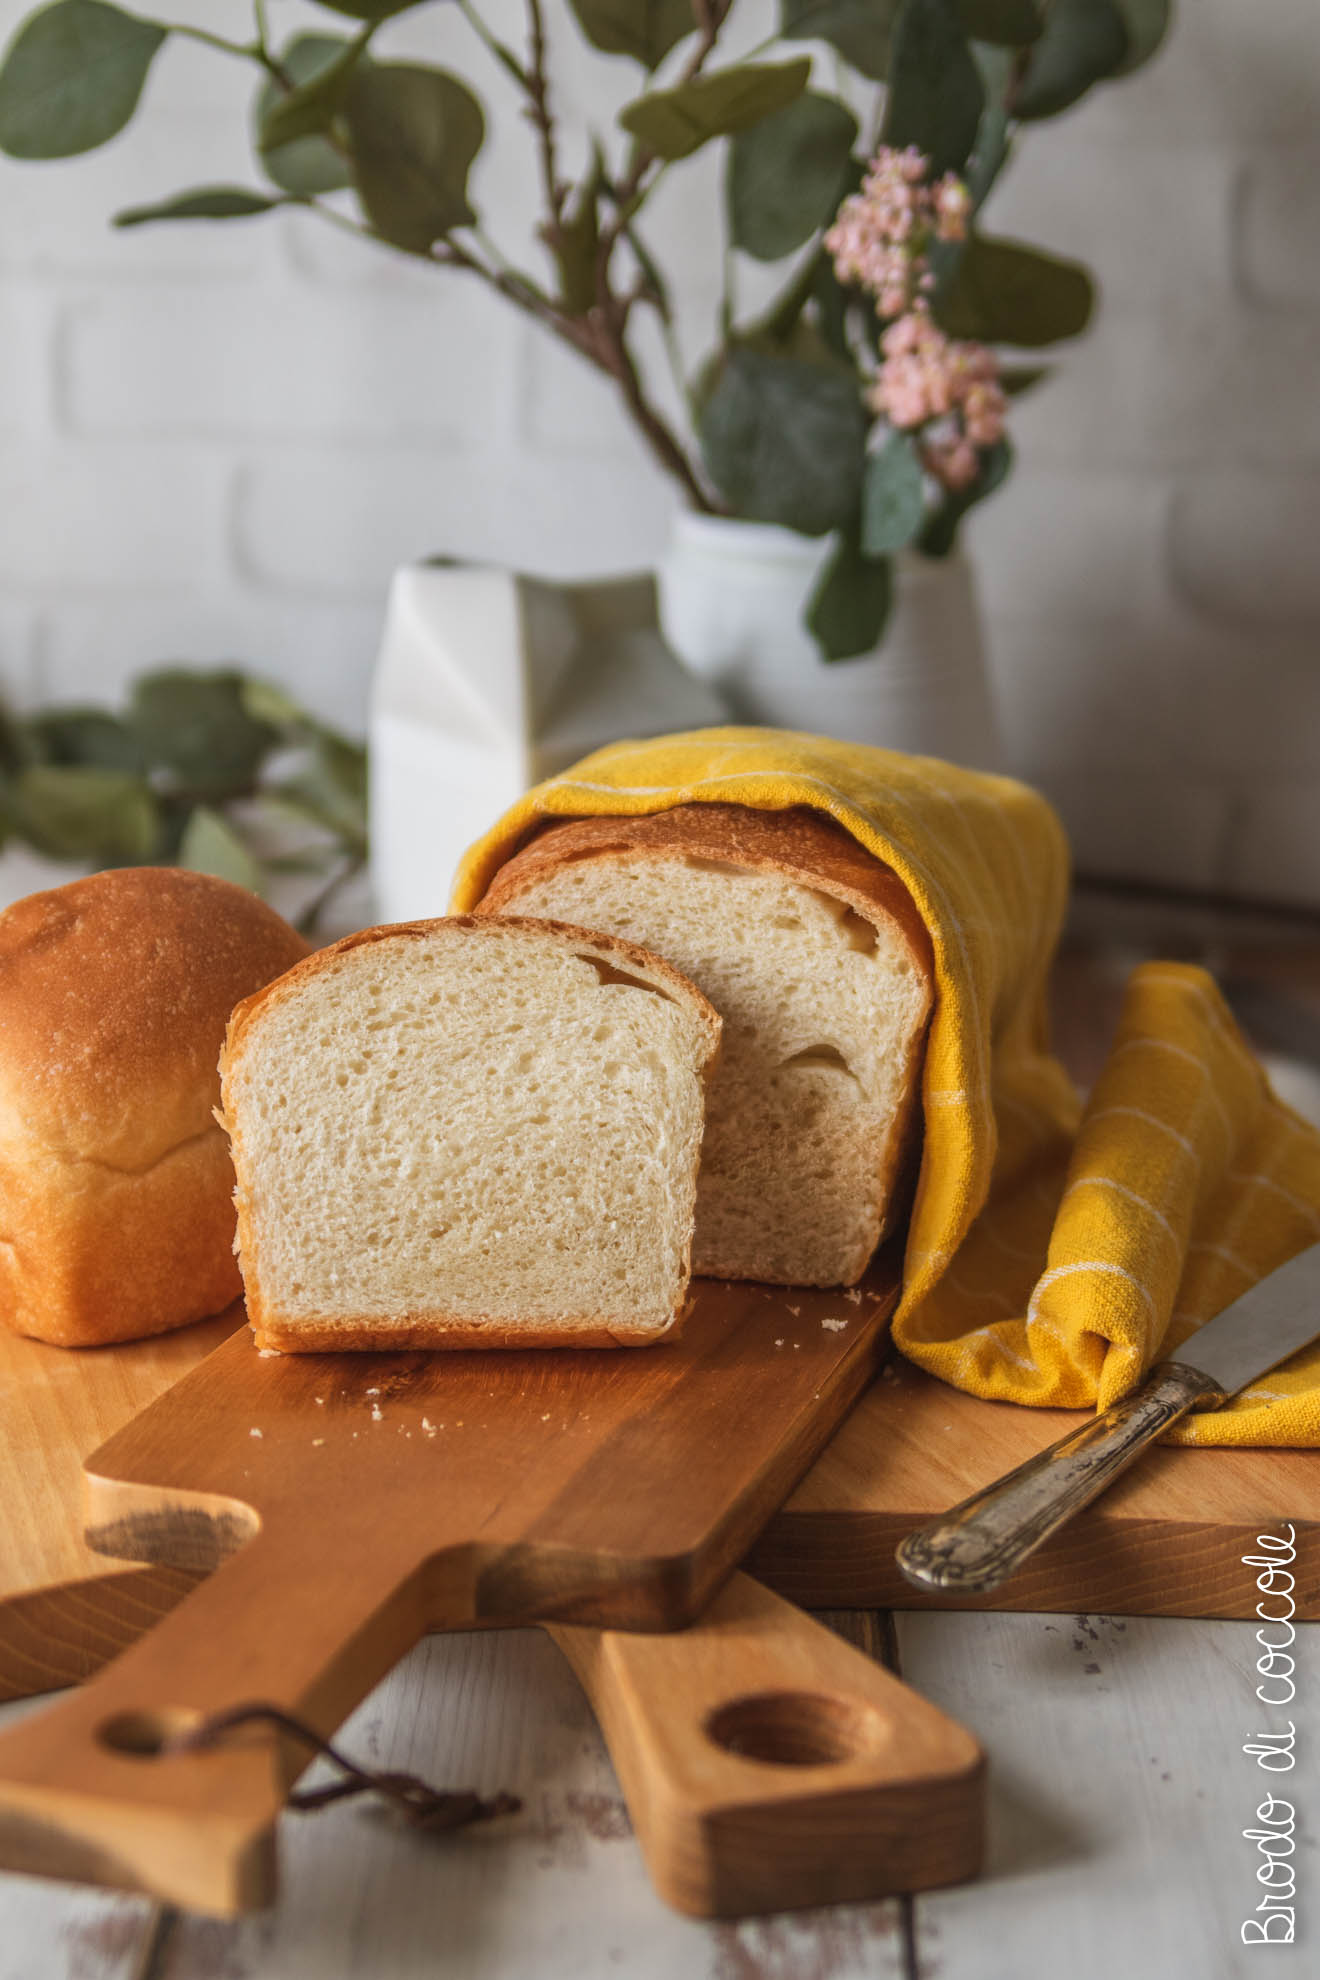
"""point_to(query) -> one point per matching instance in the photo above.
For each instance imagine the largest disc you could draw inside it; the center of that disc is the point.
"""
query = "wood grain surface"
(371, 1497)
(63, 1609)
(1167, 1540)
(767, 1765)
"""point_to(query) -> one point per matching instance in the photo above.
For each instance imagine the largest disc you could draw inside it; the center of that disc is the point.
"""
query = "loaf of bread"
(468, 1133)
(820, 966)
(116, 1188)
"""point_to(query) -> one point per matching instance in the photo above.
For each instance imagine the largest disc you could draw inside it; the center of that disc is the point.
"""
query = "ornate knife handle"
(984, 1540)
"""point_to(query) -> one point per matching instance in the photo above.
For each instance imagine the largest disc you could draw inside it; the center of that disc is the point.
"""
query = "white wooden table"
(1118, 1794)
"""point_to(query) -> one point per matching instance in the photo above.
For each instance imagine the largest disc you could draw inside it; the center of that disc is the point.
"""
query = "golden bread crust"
(611, 946)
(116, 1214)
(429, 1331)
(798, 843)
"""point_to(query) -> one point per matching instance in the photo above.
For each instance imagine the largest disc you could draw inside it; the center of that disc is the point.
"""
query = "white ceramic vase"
(489, 681)
(733, 599)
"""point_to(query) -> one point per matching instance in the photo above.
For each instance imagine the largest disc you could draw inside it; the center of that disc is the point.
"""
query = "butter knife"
(981, 1542)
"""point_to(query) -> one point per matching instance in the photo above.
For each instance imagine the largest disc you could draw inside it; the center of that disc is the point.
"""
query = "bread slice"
(819, 964)
(468, 1133)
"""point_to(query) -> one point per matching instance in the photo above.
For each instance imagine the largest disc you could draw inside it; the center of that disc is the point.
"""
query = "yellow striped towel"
(1053, 1252)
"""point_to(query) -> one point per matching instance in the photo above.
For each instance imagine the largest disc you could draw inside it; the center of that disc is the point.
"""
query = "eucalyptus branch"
(608, 321)
(618, 360)
(250, 51)
(496, 256)
(599, 337)
(344, 221)
(638, 181)
(539, 112)
(778, 320)
(504, 56)
(711, 16)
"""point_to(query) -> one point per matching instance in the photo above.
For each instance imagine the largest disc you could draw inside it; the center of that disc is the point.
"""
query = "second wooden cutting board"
(373, 1497)
(1167, 1540)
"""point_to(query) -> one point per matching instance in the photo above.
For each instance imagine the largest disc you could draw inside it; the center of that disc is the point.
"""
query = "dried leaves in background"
(215, 771)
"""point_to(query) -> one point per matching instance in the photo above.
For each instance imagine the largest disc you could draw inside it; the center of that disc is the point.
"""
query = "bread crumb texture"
(466, 1132)
(824, 990)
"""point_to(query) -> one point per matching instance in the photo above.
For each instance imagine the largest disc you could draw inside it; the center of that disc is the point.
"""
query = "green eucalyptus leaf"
(893, 497)
(211, 845)
(1004, 23)
(310, 107)
(577, 241)
(371, 10)
(270, 705)
(1005, 293)
(83, 812)
(304, 862)
(18, 745)
(674, 123)
(998, 67)
(941, 532)
(414, 133)
(831, 305)
(784, 439)
(861, 30)
(87, 735)
(1019, 378)
(195, 728)
(205, 203)
(71, 78)
(651, 272)
(847, 611)
(309, 165)
(331, 791)
(1147, 23)
(935, 92)
(787, 175)
(1084, 41)
(644, 29)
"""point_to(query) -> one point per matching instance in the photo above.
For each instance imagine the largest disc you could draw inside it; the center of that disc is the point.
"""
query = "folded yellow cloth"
(1054, 1252)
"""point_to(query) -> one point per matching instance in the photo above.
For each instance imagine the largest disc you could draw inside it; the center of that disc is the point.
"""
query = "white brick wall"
(216, 443)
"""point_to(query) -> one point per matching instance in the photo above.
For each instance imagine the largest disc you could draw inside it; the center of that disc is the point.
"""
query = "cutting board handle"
(768, 1765)
(86, 1791)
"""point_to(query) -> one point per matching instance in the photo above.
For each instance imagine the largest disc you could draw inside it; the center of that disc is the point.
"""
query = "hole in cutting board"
(796, 1728)
(143, 1735)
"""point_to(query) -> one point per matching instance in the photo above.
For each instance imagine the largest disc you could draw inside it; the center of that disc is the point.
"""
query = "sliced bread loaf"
(468, 1133)
(820, 966)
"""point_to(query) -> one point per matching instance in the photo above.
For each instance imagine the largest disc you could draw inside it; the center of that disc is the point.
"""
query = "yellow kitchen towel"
(1053, 1252)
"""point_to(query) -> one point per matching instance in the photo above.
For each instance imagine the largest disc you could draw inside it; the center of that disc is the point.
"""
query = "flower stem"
(250, 51)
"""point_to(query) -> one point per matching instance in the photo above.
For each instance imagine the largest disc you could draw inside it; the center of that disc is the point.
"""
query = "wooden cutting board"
(371, 1497)
(64, 1611)
(1167, 1540)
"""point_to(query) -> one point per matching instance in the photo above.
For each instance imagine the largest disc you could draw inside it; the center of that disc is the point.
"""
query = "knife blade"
(980, 1543)
(1261, 1328)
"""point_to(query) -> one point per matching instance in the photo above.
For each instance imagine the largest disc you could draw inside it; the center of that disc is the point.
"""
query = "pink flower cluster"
(881, 234)
(932, 381)
(945, 391)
